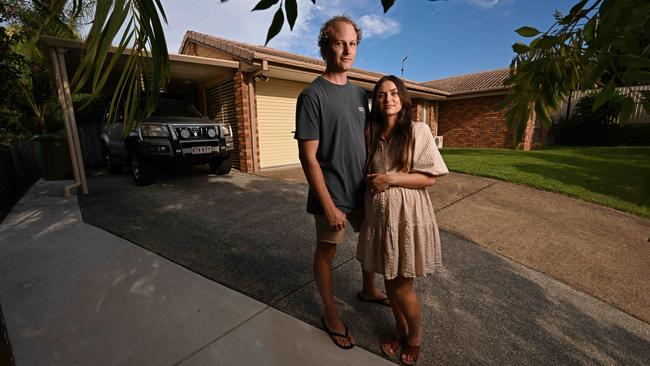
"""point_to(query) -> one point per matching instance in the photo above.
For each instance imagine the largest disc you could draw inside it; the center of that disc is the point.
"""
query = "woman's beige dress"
(399, 236)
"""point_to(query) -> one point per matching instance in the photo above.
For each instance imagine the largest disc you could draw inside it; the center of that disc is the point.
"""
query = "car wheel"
(221, 166)
(111, 166)
(142, 172)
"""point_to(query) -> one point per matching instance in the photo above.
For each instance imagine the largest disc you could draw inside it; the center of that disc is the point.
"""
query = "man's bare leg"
(323, 258)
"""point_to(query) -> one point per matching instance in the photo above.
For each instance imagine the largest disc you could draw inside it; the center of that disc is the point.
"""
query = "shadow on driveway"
(252, 234)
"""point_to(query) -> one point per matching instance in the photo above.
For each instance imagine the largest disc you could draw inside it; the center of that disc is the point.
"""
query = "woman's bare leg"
(407, 303)
(401, 326)
(369, 291)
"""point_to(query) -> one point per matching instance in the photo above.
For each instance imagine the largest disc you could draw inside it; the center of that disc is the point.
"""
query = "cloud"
(486, 4)
(234, 20)
(374, 25)
(437, 10)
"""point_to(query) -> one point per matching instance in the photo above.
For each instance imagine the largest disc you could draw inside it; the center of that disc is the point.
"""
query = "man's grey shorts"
(326, 234)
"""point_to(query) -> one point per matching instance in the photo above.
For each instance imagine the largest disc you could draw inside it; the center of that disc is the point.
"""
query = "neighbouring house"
(470, 115)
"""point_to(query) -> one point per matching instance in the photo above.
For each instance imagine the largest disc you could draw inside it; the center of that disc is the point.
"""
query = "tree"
(601, 44)
(31, 82)
(11, 69)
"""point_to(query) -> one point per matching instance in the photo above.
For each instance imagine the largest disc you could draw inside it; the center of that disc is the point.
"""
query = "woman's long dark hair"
(400, 146)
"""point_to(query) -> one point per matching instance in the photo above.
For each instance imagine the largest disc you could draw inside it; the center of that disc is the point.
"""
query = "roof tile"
(471, 83)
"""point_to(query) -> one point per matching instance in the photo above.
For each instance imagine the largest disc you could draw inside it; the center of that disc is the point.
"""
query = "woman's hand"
(378, 183)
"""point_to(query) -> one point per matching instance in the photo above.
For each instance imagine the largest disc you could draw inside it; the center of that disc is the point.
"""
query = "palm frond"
(137, 26)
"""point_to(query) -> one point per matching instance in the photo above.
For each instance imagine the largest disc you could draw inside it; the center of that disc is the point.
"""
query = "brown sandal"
(394, 342)
(413, 351)
(333, 334)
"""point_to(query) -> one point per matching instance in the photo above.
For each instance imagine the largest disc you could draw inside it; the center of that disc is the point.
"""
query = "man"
(330, 118)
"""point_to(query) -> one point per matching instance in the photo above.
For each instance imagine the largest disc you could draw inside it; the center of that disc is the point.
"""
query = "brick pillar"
(243, 123)
(527, 140)
(417, 110)
(433, 118)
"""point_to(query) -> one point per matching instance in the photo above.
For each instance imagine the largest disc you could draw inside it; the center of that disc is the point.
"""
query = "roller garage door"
(276, 113)
(221, 107)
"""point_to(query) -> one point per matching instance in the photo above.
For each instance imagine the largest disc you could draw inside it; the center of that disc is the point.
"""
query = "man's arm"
(307, 153)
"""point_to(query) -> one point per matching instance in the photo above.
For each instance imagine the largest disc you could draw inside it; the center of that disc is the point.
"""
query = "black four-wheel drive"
(176, 133)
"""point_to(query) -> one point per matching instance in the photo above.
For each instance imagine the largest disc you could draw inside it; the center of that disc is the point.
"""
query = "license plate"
(201, 149)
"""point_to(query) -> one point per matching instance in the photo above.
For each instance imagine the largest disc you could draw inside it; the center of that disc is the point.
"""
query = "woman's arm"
(380, 182)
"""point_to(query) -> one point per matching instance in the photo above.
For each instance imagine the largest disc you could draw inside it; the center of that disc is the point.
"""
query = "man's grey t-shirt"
(335, 115)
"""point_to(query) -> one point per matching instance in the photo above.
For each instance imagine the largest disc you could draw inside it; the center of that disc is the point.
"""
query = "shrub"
(636, 135)
(587, 127)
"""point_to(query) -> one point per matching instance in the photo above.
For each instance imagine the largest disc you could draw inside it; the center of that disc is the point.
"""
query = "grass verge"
(616, 177)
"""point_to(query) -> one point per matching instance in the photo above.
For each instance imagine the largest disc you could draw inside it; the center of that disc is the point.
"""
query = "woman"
(399, 237)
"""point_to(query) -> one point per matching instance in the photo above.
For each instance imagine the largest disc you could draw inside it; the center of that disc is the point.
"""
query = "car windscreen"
(172, 108)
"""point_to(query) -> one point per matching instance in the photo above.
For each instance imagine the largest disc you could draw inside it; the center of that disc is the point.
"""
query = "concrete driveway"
(250, 233)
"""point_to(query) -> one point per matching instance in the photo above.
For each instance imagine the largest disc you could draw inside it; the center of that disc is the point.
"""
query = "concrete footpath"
(152, 276)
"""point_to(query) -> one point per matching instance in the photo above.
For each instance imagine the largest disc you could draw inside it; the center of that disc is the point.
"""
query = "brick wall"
(243, 123)
(473, 122)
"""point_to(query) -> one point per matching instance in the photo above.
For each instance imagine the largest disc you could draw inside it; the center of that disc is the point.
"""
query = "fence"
(18, 171)
(91, 147)
(639, 116)
(19, 167)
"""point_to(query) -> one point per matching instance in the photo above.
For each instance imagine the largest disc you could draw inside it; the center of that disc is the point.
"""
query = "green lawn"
(617, 177)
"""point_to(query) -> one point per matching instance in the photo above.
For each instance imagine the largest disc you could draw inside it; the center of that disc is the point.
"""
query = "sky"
(440, 38)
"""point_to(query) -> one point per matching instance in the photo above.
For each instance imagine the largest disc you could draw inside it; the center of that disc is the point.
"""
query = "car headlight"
(185, 133)
(226, 130)
(153, 131)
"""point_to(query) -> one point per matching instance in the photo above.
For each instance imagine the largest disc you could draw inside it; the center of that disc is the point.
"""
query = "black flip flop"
(334, 334)
(384, 301)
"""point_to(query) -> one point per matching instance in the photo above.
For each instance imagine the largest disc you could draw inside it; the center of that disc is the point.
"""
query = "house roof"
(472, 83)
(250, 53)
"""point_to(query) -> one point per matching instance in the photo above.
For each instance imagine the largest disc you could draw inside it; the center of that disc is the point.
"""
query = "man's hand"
(307, 153)
(336, 218)
(378, 183)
